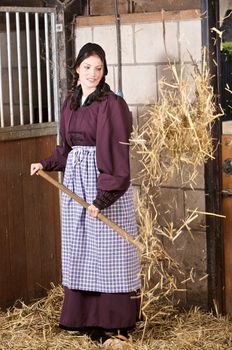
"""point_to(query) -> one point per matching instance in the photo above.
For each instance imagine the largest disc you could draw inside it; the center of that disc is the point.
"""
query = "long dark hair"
(76, 90)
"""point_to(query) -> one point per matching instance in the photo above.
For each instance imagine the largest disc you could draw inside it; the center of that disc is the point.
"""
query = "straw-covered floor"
(36, 327)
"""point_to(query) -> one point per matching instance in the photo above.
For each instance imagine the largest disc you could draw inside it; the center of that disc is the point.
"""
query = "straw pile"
(34, 327)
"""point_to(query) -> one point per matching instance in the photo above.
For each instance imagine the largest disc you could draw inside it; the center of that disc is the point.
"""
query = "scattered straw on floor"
(36, 327)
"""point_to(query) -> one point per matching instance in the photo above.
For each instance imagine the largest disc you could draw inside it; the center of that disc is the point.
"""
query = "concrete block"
(83, 35)
(139, 84)
(110, 78)
(190, 39)
(136, 194)
(184, 72)
(135, 167)
(170, 207)
(197, 290)
(189, 251)
(181, 179)
(143, 114)
(164, 73)
(106, 37)
(173, 181)
(149, 42)
(134, 111)
(199, 177)
(195, 200)
(127, 44)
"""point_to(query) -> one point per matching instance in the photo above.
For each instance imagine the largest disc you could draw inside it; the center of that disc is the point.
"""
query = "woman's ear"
(77, 70)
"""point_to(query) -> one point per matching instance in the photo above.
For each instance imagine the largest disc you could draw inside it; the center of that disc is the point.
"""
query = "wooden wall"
(29, 222)
(106, 7)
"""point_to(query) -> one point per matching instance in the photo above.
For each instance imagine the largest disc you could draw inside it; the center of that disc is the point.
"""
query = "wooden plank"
(138, 17)
(5, 264)
(32, 232)
(106, 7)
(27, 131)
(227, 223)
(18, 277)
(49, 220)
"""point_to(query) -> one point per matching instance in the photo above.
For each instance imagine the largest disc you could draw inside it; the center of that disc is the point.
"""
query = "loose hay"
(35, 327)
(176, 136)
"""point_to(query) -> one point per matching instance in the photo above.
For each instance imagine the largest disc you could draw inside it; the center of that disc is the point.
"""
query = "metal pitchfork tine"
(100, 216)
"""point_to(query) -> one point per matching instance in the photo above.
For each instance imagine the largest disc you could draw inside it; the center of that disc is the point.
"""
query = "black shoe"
(98, 335)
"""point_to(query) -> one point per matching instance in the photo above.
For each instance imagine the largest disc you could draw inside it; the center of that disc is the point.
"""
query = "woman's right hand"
(36, 167)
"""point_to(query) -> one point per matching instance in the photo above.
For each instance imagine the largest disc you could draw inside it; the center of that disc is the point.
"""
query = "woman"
(100, 270)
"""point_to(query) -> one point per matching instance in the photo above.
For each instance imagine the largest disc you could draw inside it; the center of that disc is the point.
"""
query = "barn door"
(32, 47)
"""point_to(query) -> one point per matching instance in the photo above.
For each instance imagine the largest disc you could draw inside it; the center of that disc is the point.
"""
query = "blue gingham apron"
(94, 257)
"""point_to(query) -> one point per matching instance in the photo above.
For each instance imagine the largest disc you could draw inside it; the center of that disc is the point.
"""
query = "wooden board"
(106, 7)
(227, 223)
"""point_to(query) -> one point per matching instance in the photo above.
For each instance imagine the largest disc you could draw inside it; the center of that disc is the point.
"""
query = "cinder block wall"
(144, 62)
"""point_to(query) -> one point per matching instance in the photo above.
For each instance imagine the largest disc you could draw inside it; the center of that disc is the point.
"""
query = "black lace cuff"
(106, 198)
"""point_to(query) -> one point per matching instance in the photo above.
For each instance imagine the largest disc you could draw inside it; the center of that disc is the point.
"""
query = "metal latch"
(227, 192)
(227, 166)
(59, 27)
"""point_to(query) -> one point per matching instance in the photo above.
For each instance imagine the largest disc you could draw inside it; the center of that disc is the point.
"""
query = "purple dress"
(100, 270)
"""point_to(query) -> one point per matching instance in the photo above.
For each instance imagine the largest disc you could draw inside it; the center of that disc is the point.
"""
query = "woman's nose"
(92, 72)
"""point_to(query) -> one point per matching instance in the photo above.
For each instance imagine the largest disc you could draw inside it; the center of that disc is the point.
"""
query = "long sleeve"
(112, 151)
(57, 161)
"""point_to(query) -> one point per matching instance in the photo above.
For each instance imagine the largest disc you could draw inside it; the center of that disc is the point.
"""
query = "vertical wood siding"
(29, 222)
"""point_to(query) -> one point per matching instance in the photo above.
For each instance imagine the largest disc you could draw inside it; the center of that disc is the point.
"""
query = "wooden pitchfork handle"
(84, 204)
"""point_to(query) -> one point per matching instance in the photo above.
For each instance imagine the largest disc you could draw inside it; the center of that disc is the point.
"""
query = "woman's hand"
(93, 211)
(36, 167)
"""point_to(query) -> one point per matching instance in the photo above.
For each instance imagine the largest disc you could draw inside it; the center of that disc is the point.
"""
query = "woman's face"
(90, 73)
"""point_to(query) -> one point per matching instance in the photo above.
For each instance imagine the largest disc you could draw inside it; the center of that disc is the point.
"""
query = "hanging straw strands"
(176, 134)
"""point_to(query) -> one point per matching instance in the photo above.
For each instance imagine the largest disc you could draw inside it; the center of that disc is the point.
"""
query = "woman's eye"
(86, 67)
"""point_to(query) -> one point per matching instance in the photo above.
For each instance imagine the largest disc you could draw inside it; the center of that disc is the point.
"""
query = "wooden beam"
(27, 131)
(84, 21)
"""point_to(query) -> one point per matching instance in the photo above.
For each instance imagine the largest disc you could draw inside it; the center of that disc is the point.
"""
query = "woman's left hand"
(93, 211)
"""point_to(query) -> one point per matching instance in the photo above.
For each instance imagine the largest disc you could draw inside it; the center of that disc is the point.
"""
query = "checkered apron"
(94, 257)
